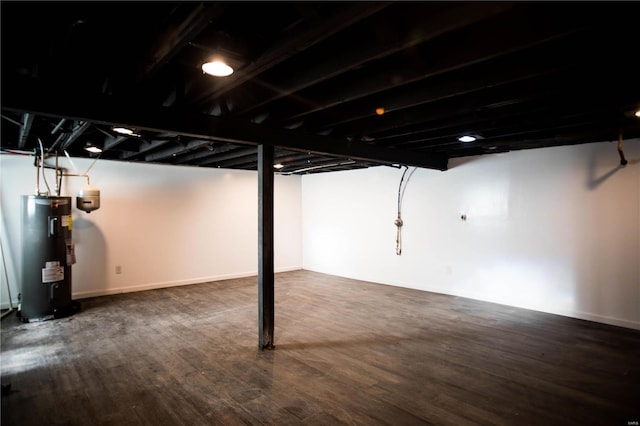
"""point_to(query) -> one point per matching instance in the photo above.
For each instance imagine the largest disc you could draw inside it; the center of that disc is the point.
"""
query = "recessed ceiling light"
(278, 166)
(467, 138)
(123, 130)
(217, 69)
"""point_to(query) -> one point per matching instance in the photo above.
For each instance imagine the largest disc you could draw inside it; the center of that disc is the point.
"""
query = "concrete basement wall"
(163, 225)
(555, 230)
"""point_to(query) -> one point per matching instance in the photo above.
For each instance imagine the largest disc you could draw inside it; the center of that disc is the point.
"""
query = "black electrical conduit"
(623, 161)
(398, 222)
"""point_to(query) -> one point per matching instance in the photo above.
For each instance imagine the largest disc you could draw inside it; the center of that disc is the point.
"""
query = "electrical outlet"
(118, 269)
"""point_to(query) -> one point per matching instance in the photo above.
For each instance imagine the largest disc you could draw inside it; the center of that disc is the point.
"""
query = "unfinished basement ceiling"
(333, 85)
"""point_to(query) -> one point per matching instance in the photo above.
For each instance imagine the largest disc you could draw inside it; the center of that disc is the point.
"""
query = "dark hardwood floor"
(347, 352)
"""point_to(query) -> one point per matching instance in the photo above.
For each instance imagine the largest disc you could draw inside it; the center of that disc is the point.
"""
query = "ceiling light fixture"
(467, 138)
(278, 166)
(380, 111)
(637, 113)
(93, 149)
(217, 69)
(123, 130)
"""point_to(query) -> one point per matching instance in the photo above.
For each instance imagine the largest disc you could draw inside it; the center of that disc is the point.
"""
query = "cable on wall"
(398, 222)
(623, 161)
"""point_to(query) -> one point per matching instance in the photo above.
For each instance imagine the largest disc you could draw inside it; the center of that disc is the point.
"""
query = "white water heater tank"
(88, 199)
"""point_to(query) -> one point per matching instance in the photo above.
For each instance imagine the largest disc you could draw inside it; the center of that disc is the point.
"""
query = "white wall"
(555, 230)
(164, 225)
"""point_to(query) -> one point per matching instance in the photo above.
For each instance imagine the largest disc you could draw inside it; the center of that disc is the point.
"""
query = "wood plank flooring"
(347, 352)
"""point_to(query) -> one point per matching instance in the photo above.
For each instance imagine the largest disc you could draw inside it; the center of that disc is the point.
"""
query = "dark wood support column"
(265, 247)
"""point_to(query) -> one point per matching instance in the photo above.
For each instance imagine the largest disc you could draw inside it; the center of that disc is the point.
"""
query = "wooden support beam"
(176, 150)
(167, 45)
(229, 155)
(266, 299)
(198, 155)
(145, 147)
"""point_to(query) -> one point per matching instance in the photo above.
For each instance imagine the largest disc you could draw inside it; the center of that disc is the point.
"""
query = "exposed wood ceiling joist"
(413, 31)
(159, 119)
(297, 43)
(310, 77)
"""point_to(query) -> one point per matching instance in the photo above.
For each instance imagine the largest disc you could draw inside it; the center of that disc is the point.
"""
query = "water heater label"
(66, 221)
(52, 272)
(71, 252)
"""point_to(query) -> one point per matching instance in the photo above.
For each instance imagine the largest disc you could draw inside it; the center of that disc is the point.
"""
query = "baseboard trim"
(581, 315)
(175, 283)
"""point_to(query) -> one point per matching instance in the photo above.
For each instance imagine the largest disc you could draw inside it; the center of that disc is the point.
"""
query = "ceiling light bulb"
(93, 149)
(278, 166)
(217, 68)
(123, 130)
(637, 114)
(380, 111)
(466, 138)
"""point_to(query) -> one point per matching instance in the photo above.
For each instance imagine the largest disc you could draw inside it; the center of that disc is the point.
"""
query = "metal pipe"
(322, 166)
(76, 174)
(35, 163)
(44, 177)
(58, 181)
(58, 126)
